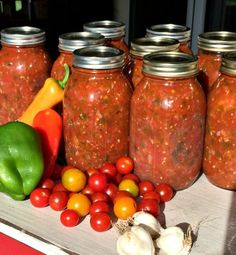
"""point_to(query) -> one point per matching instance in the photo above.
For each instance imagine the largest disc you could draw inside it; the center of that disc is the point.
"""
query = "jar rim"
(108, 28)
(175, 31)
(217, 41)
(77, 40)
(145, 45)
(228, 63)
(22, 35)
(170, 64)
(98, 57)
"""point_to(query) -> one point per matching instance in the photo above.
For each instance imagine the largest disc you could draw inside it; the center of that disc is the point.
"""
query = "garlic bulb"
(136, 241)
(148, 222)
(173, 241)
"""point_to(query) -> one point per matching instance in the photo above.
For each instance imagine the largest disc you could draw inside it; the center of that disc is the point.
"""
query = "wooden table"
(212, 207)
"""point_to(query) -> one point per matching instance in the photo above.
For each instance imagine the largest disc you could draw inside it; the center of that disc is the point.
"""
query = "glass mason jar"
(114, 33)
(69, 42)
(24, 67)
(178, 32)
(143, 46)
(96, 108)
(168, 111)
(219, 164)
(211, 46)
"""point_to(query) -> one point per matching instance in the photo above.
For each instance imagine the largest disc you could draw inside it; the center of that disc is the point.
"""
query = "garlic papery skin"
(148, 222)
(135, 241)
(173, 242)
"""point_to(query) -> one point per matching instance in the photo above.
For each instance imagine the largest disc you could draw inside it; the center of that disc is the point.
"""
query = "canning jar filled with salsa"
(69, 42)
(143, 46)
(168, 111)
(24, 66)
(178, 32)
(96, 108)
(114, 32)
(219, 164)
(211, 46)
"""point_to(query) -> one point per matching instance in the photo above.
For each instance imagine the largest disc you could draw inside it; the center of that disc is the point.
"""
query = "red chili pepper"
(49, 125)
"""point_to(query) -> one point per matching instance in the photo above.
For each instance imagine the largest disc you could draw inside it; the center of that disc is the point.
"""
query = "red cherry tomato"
(92, 171)
(111, 190)
(118, 178)
(69, 218)
(109, 170)
(133, 177)
(149, 205)
(100, 221)
(165, 191)
(59, 187)
(121, 194)
(48, 184)
(58, 200)
(99, 196)
(40, 197)
(87, 191)
(152, 195)
(98, 182)
(99, 206)
(125, 165)
(145, 186)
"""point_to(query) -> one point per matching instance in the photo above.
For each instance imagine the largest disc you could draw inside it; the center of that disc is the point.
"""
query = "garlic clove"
(173, 242)
(135, 241)
(148, 222)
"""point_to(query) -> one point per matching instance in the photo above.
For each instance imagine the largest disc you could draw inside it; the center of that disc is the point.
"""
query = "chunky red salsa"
(23, 71)
(58, 71)
(96, 117)
(219, 163)
(209, 66)
(167, 128)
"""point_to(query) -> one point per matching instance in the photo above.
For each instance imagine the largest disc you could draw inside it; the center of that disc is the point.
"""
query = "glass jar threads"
(24, 66)
(178, 32)
(96, 108)
(211, 46)
(219, 164)
(69, 42)
(167, 120)
(143, 46)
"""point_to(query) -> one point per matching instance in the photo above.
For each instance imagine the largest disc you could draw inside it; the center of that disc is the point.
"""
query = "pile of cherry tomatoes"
(112, 190)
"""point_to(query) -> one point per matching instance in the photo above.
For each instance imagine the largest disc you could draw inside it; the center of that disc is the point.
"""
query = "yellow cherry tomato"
(74, 179)
(130, 186)
(124, 208)
(79, 203)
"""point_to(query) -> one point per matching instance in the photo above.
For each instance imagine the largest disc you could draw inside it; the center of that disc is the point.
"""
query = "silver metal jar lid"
(77, 40)
(217, 41)
(228, 64)
(170, 64)
(98, 57)
(145, 45)
(22, 36)
(108, 28)
(178, 32)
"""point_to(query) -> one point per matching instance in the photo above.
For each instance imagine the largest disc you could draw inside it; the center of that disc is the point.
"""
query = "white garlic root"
(148, 222)
(173, 241)
(135, 241)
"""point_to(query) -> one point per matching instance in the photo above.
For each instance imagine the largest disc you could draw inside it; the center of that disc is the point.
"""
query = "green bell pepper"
(21, 159)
